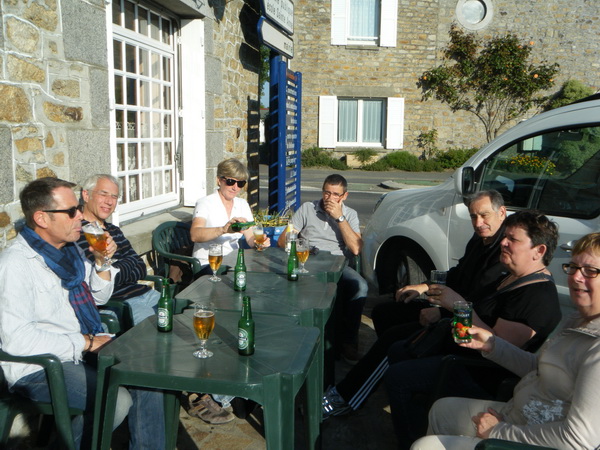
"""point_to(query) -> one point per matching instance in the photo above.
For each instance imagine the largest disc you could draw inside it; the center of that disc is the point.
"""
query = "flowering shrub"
(530, 164)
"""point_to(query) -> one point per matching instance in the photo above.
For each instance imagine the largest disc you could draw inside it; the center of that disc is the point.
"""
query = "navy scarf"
(68, 265)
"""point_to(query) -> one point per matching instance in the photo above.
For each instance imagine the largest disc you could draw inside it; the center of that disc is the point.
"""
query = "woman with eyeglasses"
(215, 213)
(556, 402)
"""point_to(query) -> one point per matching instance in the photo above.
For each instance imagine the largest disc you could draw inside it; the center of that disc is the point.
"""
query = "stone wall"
(53, 96)
(232, 66)
(563, 31)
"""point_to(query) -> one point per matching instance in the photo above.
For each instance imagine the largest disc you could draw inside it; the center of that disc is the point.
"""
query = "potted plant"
(273, 223)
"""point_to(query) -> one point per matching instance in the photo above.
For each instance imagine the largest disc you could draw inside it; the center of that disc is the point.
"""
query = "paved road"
(365, 187)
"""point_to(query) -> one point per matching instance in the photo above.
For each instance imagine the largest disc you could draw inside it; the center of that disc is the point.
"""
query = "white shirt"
(35, 313)
(212, 209)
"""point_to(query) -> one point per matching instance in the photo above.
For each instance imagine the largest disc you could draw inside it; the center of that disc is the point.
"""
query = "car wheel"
(409, 269)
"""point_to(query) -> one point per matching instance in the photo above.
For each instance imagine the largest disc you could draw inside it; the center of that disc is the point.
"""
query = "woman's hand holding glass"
(261, 240)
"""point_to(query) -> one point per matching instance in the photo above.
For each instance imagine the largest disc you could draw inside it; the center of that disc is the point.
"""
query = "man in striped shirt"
(100, 195)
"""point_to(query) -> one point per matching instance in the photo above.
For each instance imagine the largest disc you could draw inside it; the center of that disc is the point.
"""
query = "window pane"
(129, 15)
(156, 95)
(144, 93)
(154, 27)
(157, 155)
(130, 58)
(169, 181)
(168, 156)
(147, 185)
(132, 158)
(167, 123)
(131, 124)
(144, 62)
(119, 123)
(364, 19)
(120, 157)
(118, 90)
(131, 91)
(166, 69)
(134, 186)
(347, 120)
(155, 65)
(116, 13)
(372, 120)
(145, 124)
(118, 55)
(158, 183)
(143, 20)
(554, 172)
(166, 31)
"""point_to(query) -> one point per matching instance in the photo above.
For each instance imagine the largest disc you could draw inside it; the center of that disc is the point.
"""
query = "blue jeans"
(80, 379)
(143, 306)
(351, 294)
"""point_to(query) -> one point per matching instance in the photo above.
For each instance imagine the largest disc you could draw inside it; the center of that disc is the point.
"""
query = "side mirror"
(467, 181)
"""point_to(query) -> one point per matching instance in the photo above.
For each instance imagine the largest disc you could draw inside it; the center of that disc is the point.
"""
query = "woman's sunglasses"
(231, 182)
(72, 212)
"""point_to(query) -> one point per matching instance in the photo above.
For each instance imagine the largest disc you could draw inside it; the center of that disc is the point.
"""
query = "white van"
(550, 162)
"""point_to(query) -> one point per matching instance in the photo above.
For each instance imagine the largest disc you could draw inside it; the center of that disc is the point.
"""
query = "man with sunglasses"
(48, 305)
(330, 225)
(100, 196)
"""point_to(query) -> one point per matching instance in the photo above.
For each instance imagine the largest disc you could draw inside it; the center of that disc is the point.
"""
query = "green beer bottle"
(165, 308)
(246, 329)
(241, 226)
(239, 277)
(292, 268)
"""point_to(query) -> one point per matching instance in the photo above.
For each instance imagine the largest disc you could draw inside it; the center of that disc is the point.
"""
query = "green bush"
(318, 157)
(403, 161)
(570, 91)
(454, 157)
(430, 165)
(364, 154)
(378, 166)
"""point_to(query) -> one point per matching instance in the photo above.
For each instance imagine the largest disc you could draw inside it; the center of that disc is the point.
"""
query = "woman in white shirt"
(215, 213)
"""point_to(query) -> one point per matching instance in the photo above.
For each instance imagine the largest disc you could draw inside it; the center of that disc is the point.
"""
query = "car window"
(557, 173)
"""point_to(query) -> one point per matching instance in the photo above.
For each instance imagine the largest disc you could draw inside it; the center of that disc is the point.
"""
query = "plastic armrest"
(499, 444)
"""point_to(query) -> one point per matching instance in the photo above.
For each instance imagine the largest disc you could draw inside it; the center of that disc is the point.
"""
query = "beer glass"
(204, 323)
(215, 258)
(302, 251)
(95, 236)
(438, 277)
(259, 237)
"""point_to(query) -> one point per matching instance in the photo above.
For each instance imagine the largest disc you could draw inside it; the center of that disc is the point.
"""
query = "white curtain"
(372, 120)
(347, 120)
(364, 19)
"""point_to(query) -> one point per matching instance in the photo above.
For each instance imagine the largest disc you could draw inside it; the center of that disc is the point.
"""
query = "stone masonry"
(563, 31)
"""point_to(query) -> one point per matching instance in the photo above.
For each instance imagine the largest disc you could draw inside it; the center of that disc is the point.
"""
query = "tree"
(492, 80)
(263, 74)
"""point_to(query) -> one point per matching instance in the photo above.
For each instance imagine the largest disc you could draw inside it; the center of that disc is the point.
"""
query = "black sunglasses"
(231, 182)
(72, 212)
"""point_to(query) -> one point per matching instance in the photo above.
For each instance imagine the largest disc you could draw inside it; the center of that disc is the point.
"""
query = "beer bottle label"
(242, 339)
(240, 279)
(163, 317)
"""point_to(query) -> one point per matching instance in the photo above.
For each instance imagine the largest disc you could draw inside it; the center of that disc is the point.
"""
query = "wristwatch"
(340, 219)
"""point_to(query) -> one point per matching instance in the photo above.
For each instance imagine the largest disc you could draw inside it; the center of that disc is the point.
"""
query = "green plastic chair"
(169, 237)
(13, 404)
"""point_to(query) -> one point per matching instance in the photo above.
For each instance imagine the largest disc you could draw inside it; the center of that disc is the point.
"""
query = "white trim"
(193, 109)
(327, 121)
(389, 23)
(395, 123)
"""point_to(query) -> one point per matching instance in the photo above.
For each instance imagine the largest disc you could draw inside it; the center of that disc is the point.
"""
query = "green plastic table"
(310, 300)
(274, 260)
(283, 361)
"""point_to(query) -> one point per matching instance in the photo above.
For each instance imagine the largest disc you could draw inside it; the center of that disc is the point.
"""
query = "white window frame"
(131, 210)
(189, 147)
(388, 26)
(393, 137)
